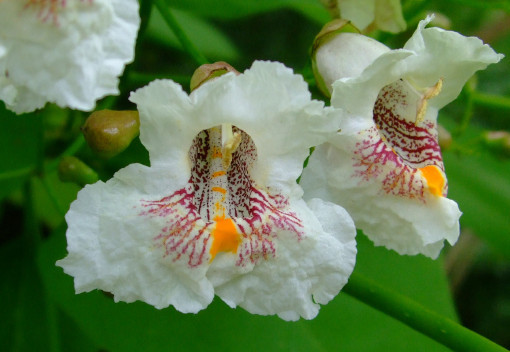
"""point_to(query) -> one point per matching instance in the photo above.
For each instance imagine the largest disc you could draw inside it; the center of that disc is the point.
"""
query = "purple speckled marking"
(259, 214)
(396, 147)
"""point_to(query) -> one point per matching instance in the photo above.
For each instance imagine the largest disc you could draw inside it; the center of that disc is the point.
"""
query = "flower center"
(222, 157)
(221, 208)
(403, 149)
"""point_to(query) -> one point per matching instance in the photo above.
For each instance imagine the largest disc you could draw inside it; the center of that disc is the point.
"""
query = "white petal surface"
(318, 266)
(71, 58)
(111, 247)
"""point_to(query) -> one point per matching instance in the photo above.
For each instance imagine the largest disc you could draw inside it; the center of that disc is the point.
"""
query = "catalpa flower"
(219, 210)
(385, 165)
(68, 52)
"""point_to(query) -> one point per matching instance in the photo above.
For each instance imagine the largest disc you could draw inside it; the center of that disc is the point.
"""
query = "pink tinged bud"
(209, 71)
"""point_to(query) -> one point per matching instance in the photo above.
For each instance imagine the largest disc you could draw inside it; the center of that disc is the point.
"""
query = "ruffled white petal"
(408, 226)
(71, 58)
(373, 166)
(170, 119)
(304, 273)
(111, 246)
(148, 233)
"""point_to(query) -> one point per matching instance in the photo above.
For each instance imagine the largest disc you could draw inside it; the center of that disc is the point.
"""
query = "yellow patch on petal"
(435, 179)
(226, 238)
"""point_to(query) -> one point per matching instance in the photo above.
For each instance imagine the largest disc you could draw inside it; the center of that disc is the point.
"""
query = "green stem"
(186, 43)
(16, 173)
(51, 194)
(71, 150)
(490, 100)
(418, 317)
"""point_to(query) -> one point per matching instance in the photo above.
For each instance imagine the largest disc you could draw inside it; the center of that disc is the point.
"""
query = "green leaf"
(209, 40)
(23, 325)
(52, 198)
(479, 184)
(344, 324)
(18, 149)
(232, 9)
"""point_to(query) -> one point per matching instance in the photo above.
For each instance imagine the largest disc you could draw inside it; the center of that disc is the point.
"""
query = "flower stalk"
(418, 317)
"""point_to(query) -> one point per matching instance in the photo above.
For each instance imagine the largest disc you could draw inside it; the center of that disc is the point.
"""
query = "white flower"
(375, 14)
(385, 165)
(219, 210)
(68, 52)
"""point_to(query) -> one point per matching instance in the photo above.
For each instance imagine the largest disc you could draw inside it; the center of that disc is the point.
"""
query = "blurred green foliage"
(38, 307)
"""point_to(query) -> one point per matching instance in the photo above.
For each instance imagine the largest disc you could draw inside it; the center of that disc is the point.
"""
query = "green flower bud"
(109, 132)
(210, 71)
(72, 169)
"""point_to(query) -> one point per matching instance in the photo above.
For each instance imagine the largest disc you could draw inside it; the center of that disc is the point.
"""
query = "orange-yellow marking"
(219, 189)
(225, 237)
(216, 152)
(218, 174)
(435, 179)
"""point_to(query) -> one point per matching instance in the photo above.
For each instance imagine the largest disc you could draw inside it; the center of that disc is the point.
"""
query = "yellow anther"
(229, 141)
(422, 105)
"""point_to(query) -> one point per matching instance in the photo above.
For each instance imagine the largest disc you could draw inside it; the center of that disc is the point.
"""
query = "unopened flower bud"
(210, 71)
(444, 136)
(340, 51)
(72, 169)
(498, 141)
(109, 132)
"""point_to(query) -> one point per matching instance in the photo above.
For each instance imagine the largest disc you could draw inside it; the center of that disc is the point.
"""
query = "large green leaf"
(23, 325)
(231, 9)
(344, 324)
(208, 39)
(479, 184)
(18, 149)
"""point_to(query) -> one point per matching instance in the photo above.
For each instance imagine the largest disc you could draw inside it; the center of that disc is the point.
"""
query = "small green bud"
(498, 141)
(109, 132)
(72, 169)
(210, 71)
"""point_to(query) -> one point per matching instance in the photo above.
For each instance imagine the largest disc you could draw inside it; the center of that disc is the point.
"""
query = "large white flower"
(68, 52)
(219, 210)
(385, 165)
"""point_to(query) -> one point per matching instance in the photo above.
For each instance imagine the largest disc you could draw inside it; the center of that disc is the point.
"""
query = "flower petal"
(71, 57)
(317, 266)
(111, 246)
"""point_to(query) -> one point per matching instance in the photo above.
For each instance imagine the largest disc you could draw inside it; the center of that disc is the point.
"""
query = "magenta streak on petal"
(257, 213)
(395, 148)
(49, 9)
